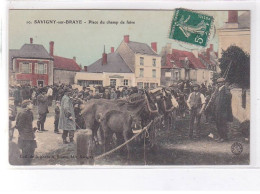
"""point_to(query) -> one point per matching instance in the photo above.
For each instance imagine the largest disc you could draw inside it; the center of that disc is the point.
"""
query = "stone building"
(31, 64)
(132, 64)
(183, 65)
(236, 31)
(64, 69)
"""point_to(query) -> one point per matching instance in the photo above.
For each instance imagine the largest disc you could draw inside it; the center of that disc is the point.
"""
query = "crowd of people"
(194, 99)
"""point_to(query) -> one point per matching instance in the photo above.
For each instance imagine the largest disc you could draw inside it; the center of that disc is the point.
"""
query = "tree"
(235, 66)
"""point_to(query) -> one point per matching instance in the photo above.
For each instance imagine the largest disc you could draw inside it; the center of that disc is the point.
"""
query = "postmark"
(236, 148)
(191, 27)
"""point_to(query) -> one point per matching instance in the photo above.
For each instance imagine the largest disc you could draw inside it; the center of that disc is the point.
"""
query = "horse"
(121, 123)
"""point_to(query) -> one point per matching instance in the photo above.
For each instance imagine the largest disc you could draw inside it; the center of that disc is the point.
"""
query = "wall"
(105, 78)
(238, 111)
(148, 67)
(33, 77)
(62, 76)
(239, 37)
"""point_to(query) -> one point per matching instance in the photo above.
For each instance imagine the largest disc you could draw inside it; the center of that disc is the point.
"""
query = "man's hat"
(25, 103)
(221, 79)
(195, 85)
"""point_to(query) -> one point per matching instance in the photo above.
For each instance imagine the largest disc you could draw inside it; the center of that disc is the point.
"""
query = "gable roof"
(35, 51)
(63, 63)
(115, 64)
(244, 20)
(177, 57)
(141, 48)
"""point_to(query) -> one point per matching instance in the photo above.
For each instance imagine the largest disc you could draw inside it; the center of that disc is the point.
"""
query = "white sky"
(86, 41)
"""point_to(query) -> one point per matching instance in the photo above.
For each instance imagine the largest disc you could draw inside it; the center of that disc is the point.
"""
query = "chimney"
(85, 68)
(31, 40)
(104, 57)
(154, 46)
(51, 48)
(232, 16)
(74, 58)
(211, 47)
(112, 49)
(126, 38)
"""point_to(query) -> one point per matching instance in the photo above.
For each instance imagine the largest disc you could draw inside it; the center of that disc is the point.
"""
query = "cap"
(221, 79)
(195, 85)
(25, 103)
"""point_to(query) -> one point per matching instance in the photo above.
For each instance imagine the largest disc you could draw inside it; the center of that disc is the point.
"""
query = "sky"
(86, 41)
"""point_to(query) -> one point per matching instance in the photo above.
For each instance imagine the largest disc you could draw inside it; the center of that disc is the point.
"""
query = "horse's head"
(136, 123)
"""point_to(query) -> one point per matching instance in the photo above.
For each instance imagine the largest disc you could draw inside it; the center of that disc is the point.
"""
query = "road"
(173, 148)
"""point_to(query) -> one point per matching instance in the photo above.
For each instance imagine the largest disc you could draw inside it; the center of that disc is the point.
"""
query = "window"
(177, 75)
(154, 73)
(152, 85)
(25, 67)
(112, 82)
(146, 85)
(154, 62)
(40, 68)
(203, 74)
(140, 85)
(125, 82)
(168, 74)
(141, 61)
(141, 72)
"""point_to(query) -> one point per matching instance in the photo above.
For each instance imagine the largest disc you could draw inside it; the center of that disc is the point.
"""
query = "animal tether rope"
(131, 139)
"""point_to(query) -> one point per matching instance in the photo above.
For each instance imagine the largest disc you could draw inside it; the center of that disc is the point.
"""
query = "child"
(57, 117)
(26, 140)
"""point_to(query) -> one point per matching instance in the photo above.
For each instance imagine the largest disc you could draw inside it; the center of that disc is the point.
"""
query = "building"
(183, 65)
(236, 31)
(64, 69)
(110, 70)
(132, 64)
(31, 64)
(209, 58)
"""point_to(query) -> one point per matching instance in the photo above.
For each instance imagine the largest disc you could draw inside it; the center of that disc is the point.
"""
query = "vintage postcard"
(129, 87)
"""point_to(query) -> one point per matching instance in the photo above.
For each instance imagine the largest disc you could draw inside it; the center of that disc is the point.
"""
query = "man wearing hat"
(26, 137)
(67, 117)
(42, 101)
(196, 104)
(221, 102)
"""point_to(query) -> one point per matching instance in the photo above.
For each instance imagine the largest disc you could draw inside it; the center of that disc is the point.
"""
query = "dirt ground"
(173, 148)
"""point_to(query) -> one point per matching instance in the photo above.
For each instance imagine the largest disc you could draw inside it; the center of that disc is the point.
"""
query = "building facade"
(132, 64)
(64, 69)
(183, 65)
(236, 31)
(31, 64)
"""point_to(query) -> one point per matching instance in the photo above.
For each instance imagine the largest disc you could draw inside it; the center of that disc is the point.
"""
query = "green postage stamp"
(190, 27)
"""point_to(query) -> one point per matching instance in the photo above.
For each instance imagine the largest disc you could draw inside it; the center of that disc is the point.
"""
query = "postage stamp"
(191, 27)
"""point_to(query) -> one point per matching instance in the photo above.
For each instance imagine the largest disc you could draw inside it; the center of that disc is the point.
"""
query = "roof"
(35, 51)
(206, 59)
(65, 64)
(244, 20)
(177, 57)
(115, 64)
(13, 53)
(141, 48)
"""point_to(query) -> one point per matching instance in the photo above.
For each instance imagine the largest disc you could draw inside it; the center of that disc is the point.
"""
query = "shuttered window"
(25, 67)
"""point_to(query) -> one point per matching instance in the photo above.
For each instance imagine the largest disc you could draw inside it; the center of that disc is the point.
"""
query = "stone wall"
(239, 112)
(62, 76)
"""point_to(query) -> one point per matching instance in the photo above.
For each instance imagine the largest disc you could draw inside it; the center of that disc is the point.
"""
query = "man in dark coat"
(222, 109)
(42, 102)
(26, 137)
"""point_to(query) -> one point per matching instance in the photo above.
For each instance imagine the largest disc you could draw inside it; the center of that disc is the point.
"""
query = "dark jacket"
(222, 105)
(42, 102)
(24, 125)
